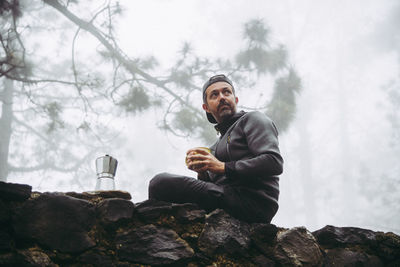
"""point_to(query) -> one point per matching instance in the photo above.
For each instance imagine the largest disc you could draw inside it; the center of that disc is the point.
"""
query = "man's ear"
(205, 107)
(236, 99)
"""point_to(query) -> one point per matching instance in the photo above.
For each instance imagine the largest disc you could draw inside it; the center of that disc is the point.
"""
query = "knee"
(156, 184)
(157, 180)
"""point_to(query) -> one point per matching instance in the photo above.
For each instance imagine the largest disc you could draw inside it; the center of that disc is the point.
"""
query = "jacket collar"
(224, 126)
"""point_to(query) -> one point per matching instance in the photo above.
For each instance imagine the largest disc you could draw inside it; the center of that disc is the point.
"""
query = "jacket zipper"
(228, 137)
(228, 141)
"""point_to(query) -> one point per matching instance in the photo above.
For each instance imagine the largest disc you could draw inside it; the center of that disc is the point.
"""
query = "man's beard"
(226, 113)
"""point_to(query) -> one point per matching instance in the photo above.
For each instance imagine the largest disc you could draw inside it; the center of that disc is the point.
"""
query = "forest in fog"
(81, 79)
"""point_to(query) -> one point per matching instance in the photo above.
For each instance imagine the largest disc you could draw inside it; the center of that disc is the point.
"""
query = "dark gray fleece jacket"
(249, 147)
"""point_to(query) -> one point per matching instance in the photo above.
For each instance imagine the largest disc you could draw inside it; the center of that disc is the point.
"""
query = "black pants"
(236, 201)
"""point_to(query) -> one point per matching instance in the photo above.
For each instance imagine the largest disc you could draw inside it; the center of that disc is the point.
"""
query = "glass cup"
(201, 147)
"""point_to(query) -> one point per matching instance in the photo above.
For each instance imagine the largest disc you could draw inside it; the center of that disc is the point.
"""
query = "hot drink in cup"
(202, 148)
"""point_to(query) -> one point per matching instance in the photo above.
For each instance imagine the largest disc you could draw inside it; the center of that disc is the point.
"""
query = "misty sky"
(332, 46)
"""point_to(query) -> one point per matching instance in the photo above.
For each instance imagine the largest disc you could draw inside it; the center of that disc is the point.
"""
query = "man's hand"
(200, 161)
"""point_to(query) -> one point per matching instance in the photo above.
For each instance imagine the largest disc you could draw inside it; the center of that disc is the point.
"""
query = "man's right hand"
(193, 161)
(200, 161)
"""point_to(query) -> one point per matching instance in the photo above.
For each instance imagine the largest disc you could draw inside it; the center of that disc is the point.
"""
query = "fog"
(341, 151)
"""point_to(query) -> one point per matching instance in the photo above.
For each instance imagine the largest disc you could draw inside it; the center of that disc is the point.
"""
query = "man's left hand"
(200, 160)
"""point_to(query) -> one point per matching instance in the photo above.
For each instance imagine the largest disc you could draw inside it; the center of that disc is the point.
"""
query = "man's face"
(221, 101)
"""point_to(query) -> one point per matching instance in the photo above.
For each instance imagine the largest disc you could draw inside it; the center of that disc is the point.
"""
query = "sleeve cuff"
(230, 169)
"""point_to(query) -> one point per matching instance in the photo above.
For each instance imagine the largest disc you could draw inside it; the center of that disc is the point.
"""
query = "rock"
(152, 245)
(57, 221)
(224, 234)
(263, 237)
(18, 192)
(96, 257)
(331, 236)
(388, 247)
(5, 240)
(8, 259)
(188, 213)
(4, 213)
(34, 258)
(297, 247)
(115, 209)
(153, 209)
(262, 261)
(95, 196)
(385, 245)
(346, 257)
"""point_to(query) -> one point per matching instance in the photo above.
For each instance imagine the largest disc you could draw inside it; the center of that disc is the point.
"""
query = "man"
(240, 173)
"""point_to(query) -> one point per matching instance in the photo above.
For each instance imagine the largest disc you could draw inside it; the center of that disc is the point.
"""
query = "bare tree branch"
(117, 53)
(32, 130)
(51, 166)
(26, 80)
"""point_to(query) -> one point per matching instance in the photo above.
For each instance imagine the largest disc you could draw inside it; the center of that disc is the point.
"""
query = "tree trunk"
(5, 126)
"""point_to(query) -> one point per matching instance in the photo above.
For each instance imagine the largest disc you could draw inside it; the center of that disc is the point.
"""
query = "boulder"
(297, 247)
(224, 234)
(18, 192)
(188, 213)
(4, 213)
(96, 257)
(263, 237)
(9, 259)
(388, 247)
(5, 240)
(153, 209)
(152, 245)
(347, 257)
(57, 221)
(331, 236)
(352, 240)
(112, 210)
